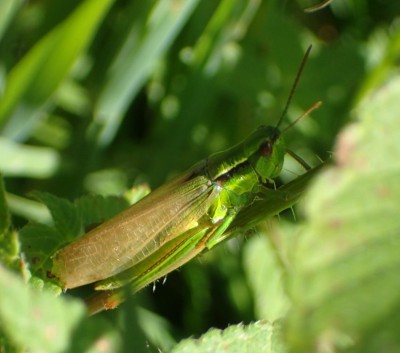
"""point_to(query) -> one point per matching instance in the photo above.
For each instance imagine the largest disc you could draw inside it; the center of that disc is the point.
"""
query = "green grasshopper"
(176, 222)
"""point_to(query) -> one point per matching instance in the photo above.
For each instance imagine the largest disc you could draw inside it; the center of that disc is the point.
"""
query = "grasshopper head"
(265, 150)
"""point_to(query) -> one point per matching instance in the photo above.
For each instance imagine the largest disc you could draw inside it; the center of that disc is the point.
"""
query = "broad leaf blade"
(95, 209)
(260, 337)
(34, 320)
(265, 273)
(65, 215)
(345, 277)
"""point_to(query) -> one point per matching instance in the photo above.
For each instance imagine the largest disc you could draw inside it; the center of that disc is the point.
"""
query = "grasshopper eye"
(266, 148)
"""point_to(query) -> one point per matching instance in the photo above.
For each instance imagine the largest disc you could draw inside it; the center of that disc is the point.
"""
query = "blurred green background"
(99, 95)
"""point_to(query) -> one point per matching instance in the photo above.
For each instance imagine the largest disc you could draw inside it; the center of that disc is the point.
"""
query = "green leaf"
(28, 208)
(65, 216)
(95, 209)
(7, 11)
(36, 77)
(389, 47)
(135, 63)
(260, 337)
(33, 320)
(345, 280)
(265, 275)
(4, 214)
(39, 242)
(9, 242)
(28, 161)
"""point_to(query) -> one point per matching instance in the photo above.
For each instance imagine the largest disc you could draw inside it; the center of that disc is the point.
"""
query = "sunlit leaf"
(344, 277)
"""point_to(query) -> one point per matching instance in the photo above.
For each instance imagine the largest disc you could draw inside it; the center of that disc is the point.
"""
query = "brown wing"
(135, 233)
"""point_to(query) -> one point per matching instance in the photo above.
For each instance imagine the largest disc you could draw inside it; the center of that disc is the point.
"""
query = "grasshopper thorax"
(265, 149)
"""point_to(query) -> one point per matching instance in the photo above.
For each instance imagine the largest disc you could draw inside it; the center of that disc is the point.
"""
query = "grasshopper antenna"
(296, 81)
(297, 158)
(316, 105)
